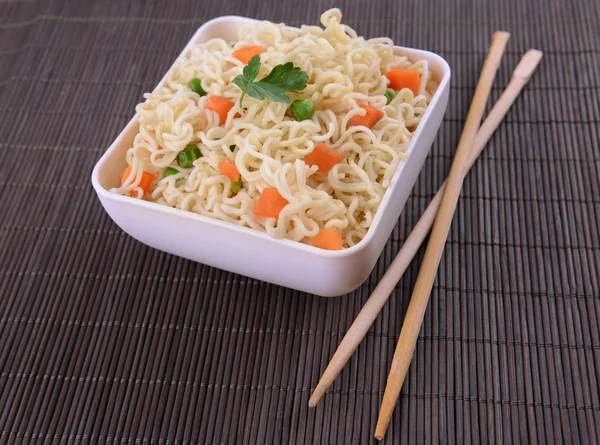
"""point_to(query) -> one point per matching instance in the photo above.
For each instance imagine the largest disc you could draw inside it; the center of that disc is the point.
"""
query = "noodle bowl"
(267, 145)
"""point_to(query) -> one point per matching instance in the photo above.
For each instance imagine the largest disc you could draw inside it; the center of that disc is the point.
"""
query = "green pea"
(170, 171)
(302, 109)
(236, 186)
(188, 155)
(196, 86)
(390, 94)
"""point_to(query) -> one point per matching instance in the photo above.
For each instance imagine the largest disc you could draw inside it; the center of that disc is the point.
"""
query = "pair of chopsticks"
(438, 214)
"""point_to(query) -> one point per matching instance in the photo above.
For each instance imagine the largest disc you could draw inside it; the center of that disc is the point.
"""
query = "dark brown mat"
(103, 339)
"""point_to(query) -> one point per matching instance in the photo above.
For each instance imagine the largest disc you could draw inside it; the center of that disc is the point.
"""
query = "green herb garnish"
(282, 78)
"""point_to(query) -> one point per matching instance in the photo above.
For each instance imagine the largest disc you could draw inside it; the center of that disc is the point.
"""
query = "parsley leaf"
(261, 90)
(282, 78)
(248, 75)
(287, 77)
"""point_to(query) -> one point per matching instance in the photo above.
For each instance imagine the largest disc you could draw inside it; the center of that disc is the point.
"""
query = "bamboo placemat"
(103, 339)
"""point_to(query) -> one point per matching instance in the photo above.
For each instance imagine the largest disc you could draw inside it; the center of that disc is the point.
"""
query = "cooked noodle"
(267, 146)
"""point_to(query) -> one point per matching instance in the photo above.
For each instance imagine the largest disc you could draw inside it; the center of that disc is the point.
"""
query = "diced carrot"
(144, 184)
(323, 157)
(227, 168)
(400, 79)
(219, 104)
(328, 239)
(245, 54)
(126, 175)
(146, 181)
(369, 119)
(270, 203)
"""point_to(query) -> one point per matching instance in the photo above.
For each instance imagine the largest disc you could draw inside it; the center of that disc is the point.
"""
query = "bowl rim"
(263, 236)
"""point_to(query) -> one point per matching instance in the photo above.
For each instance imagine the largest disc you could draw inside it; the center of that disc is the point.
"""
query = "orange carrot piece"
(270, 203)
(126, 175)
(400, 79)
(323, 157)
(245, 54)
(369, 119)
(219, 104)
(328, 239)
(146, 181)
(227, 168)
(144, 184)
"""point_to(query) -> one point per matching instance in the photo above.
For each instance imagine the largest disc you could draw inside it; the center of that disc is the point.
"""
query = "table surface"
(103, 339)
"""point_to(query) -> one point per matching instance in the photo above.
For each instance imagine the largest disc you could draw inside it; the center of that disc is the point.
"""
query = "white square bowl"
(284, 262)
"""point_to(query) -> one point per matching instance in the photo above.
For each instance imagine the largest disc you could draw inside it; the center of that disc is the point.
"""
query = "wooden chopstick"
(380, 295)
(437, 240)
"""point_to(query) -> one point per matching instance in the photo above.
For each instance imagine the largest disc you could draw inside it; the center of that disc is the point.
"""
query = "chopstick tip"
(315, 397)
(528, 64)
(501, 35)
